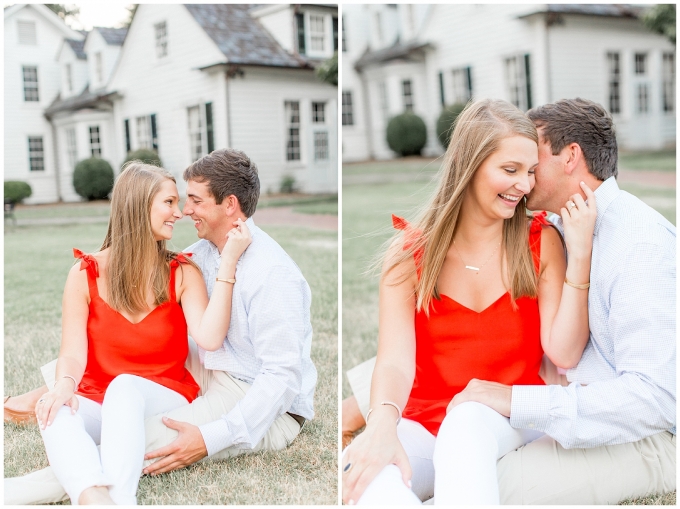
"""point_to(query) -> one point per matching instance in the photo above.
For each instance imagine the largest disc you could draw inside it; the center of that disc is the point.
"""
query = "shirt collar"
(604, 196)
(253, 233)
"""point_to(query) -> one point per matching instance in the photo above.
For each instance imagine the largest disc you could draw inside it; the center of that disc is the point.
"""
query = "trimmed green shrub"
(93, 178)
(445, 123)
(288, 184)
(145, 155)
(406, 134)
(16, 191)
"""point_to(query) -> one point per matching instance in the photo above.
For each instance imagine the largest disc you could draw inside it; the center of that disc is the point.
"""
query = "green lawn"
(37, 260)
(662, 160)
(369, 199)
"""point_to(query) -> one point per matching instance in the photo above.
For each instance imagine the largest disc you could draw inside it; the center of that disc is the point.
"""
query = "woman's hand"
(62, 394)
(238, 239)
(579, 218)
(374, 449)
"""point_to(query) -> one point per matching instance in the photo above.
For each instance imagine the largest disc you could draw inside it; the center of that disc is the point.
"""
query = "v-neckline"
(472, 310)
(123, 316)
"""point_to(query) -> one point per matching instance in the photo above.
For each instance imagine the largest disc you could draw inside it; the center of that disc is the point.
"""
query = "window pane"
(143, 134)
(347, 112)
(668, 82)
(161, 39)
(71, 147)
(30, 74)
(318, 113)
(407, 95)
(195, 133)
(292, 130)
(95, 145)
(36, 159)
(614, 82)
(320, 146)
(317, 32)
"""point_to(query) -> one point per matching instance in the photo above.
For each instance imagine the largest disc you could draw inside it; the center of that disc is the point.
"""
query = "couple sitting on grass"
(464, 407)
(126, 377)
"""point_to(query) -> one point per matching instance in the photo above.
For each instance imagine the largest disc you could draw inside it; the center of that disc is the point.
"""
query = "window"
(344, 37)
(293, 130)
(318, 113)
(668, 79)
(31, 94)
(384, 102)
(640, 64)
(347, 112)
(195, 133)
(99, 66)
(462, 85)
(407, 94)
(613, 61)
(300, 23)
(335, 33)
(36, 161)
(143, 133)
(27, 34)
(321, 146)
(518, 79)
(317, 32)
(643, 98)
(69, 77)
(95, 143)
(71, 147)
(161, 39)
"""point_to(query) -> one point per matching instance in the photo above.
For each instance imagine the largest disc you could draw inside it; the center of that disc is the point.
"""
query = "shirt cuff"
(216, 436)
(530, 407)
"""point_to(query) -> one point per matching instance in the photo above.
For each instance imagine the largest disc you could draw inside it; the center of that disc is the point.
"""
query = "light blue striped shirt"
(268, 343)
(623, 388)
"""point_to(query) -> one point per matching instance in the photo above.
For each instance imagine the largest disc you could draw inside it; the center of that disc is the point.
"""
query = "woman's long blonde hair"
(136, 259)
(477, 134)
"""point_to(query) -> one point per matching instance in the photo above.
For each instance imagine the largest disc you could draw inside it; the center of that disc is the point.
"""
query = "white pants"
(457, 467)
(118, 425)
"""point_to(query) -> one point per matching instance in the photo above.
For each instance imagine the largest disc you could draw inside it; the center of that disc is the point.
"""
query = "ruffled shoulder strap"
(178, 259)
(411, 235)
(90, 265)
(539, 222)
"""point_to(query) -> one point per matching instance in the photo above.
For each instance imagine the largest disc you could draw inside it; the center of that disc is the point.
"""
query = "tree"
(132, 9)
(661, 19)
(328, 71)
(63, 11)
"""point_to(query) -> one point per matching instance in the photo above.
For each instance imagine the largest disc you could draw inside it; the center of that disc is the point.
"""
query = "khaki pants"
(544, 472)
(219, 393)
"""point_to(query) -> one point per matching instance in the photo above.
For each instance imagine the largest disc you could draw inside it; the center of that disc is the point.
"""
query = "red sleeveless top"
(155, 348)
(456, 344)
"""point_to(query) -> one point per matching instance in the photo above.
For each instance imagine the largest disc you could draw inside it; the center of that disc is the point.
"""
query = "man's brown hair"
(228, 171)
(584, 122)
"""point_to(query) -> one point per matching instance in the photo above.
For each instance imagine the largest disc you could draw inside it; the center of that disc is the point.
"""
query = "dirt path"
(648, 178)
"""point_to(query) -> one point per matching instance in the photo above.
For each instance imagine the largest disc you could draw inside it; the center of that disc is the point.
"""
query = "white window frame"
(198, 138)
(642, 98)
(34, 155)
(461, 87)
(642, 88)
(321, 146)
(516, 80)
(71, 147)
(668, 82)
(640, 63)
(614, 82)
(326, 37)
(27, 34)
(161, 38)
(318, 112)
(347, 108)
(95, 134)
(320, 135)
(407, 95)
(293, 131)
(143, 132)
(31, 88)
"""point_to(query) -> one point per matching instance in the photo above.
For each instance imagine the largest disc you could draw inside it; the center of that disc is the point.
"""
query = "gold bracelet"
(232, 280)
(579, 287)
(75, 384)
(386, 403)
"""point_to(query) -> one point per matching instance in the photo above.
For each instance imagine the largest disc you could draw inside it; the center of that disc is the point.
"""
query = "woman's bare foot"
(26, 402)
(352, 420)
(96, 495)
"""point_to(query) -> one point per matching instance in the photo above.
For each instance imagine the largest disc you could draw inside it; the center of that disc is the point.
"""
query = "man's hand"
(491, 394)
(185, 450)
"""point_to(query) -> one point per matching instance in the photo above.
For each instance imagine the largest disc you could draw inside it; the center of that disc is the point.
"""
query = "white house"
(33, 38)
(527, 54)
(187, 79)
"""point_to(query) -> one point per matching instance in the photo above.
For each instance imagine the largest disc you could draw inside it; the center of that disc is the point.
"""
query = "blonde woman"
(125, 314)
(461, 292)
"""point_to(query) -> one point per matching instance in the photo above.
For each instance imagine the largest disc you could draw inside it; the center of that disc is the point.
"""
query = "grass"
(367, 226)
(37, 260)
(662, 160)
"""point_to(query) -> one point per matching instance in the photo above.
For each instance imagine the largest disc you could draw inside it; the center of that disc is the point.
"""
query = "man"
(257, 389)
(610, 434)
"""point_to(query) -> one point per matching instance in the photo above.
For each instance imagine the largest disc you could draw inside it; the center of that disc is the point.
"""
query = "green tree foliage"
(445, 123)
(93, 178)
(406, 134)
(661, 19)
(328, 71)
(64, 12)
(16, 191)
(132, 9)
(144, 155)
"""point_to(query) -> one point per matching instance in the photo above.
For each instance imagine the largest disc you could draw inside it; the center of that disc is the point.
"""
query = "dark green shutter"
(335, 34)
(441, 89)
(300, 22)
(154, 135)
(527, 70)
(128, 147)
(209, 127)
(469, 81)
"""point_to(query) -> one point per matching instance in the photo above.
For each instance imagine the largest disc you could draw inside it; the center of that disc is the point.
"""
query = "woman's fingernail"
(409, 483)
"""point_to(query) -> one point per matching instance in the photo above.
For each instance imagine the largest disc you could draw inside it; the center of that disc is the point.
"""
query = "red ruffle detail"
(411, 235)
(180, 258)
(540, 220)
(88, 262)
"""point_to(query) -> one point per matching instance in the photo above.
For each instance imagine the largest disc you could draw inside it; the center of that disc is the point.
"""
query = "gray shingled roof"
(85, 99)
(78, 48)
(242, 39)
(396, 51)
(112, 36)
(609, 10)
